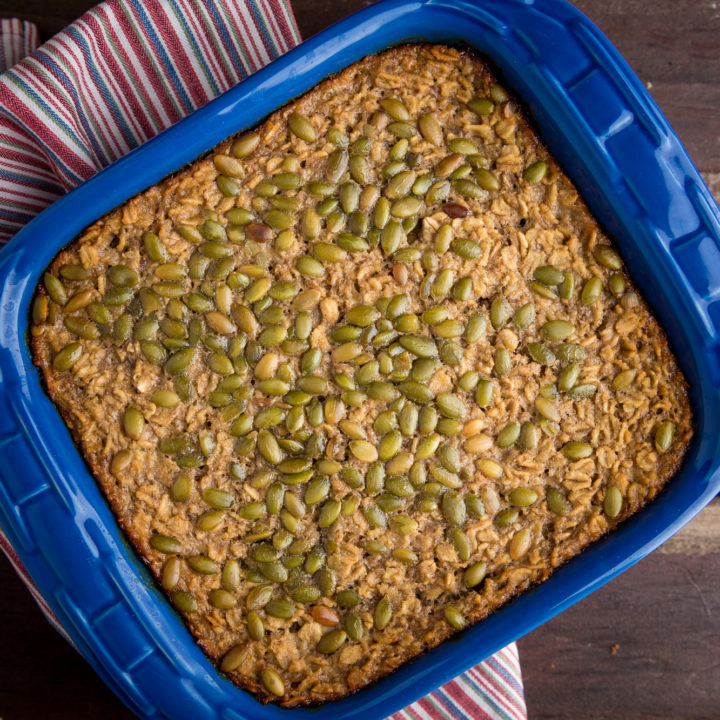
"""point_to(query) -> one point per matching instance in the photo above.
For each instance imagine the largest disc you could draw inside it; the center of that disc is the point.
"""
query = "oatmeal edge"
(360, 376)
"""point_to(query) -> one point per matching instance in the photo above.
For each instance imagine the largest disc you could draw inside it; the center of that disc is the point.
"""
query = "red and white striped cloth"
(116, 77)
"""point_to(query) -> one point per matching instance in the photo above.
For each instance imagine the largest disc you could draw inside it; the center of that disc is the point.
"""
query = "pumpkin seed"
(454, 617)
(331, 641)
(664, 436)
(503, 361)
(508, 435)
(383, 612)
(453, 508)
(271, 680)
(165, 544)
(184, 601)
(577, 450)
(202, 565)
(481, 106)
(475, 574)
(612, 505)
(557, 502)
(607, 257)
(301, 127)
(535, 173)
(624, 379)
(67, 357)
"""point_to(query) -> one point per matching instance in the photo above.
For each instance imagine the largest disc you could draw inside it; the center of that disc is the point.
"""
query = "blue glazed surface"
(611, 138)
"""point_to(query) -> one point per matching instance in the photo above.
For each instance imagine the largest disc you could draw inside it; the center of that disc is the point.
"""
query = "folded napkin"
(116, 77)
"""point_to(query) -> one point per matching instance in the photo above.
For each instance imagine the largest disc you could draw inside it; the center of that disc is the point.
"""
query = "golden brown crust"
(519, 228)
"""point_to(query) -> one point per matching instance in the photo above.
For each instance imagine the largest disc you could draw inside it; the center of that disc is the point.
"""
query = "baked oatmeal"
(361, 375)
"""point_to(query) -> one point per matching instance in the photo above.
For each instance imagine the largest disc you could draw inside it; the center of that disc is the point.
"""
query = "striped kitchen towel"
(116, 77)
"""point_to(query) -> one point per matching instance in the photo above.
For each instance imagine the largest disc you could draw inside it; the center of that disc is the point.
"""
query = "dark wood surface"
(644, 647)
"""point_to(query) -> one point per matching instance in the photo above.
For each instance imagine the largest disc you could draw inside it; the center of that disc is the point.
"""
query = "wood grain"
(644, 647)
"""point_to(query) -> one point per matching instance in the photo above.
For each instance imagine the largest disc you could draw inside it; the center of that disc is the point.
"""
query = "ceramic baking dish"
(616, 146)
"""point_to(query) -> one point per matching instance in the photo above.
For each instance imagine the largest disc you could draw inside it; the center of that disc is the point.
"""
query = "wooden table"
(646, 646)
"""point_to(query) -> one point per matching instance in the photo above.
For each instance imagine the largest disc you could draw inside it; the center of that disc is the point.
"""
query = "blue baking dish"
(616, 146)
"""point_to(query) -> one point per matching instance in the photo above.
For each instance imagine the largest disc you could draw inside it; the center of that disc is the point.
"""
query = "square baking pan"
(630, 167)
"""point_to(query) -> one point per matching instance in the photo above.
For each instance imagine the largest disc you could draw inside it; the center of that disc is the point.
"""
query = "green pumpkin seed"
(466, 248)
(549, 275)
(500, 312)
(258, 597)
(122, 276)
(245, 145)
(179, 362)
(375, 516)
(133, 422)
(405, 207)
(117, 296)
(171, 573)
(520, 543)
(484, 393)
(467, 188)
(308, 266)
(326, 581)
(256, 629)
(222, 599)
(557, 330)
(475, 574)
(570, 353)
(78, 301)
(487, 180)
(401, 129)
(528, 436)
(354, 627)
(165, 544)
(184, 601)
(577, 450)
(535, 173)
(506, 517)
(331, 641)
(503, 361)
(624, 379)
(121, 461)
(217, 498)
(508, 436)
(67, 357)
(423, 347)
(617, 284)
(581, 391)
(591, 291)
(202, 565)
(268, 447)
(275, 572)
(557, 502)
(383, 612)
(74, 272)
(453, 508)
(230, 577)
(664, 436)
(454, 617)
(462, 146)
(613, 502)
(272, 682)
(607, 257)
(165, 398)
(336, 167)
(329, 513)
(301, 127)
(481, 106)
(522, 497)
(395, 109)
(403, 524)
(430, 129)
